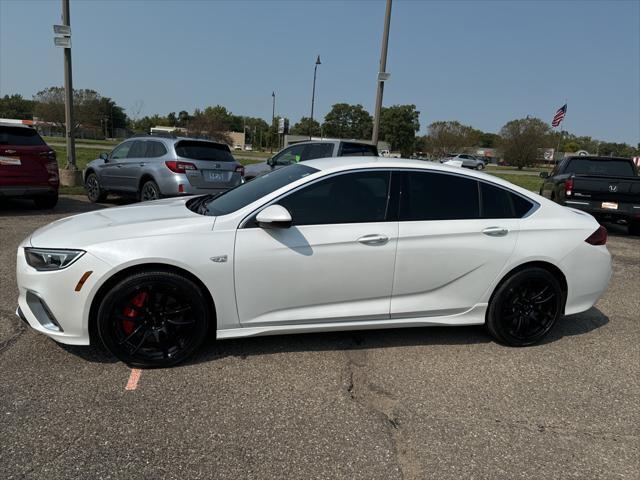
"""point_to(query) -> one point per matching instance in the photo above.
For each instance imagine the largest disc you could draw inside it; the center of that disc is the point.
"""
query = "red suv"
(28, 166)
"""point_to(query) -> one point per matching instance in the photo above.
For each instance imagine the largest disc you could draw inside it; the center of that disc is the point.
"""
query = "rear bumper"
(27, 190)
(624, 213)
(181, 185)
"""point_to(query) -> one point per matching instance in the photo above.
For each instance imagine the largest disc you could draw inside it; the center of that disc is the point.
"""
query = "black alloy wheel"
(93, 189)
(153, 319)
(525, 307)
(150, 191)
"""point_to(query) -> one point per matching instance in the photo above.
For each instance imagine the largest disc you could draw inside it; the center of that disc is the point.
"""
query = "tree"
(398, 126)
(444, 137)
(15, 106)
(521, 140)
(571, 146)
(183, 118)
(306, 126)
(172, 119)
(347, 121)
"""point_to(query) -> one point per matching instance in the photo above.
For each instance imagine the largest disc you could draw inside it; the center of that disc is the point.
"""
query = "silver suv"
(154, 167)
(308, 150)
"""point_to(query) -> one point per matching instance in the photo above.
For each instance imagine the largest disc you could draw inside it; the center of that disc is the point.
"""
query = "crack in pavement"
(19, 329)
(383, 404)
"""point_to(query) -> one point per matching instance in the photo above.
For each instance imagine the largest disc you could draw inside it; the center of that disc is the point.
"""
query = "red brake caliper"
(138, 301)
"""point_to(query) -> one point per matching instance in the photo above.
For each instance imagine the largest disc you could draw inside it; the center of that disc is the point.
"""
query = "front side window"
(289, 155)
(121, 151)
(438, 196)
(357, 197)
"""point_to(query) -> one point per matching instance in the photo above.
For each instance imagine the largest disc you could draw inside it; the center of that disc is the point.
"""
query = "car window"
(317, 150)
(600, 166)
(356, 197)
(121, 151)
(155, 149)
(138, 149)
(249, 192)
(199, 150)
(497, 202)
(438, 196)
(358, 150)
(289, 155)
(21, 136)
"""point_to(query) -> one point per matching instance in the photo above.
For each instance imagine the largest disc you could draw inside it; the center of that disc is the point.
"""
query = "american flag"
(559, 116)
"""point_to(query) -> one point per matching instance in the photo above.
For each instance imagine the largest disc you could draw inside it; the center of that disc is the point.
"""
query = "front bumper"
(626, 212)
(49, 302)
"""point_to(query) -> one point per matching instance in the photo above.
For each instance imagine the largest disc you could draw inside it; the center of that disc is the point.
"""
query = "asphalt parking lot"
(418, 403)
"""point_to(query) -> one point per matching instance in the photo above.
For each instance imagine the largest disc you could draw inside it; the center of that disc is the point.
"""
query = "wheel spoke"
(131, 335)
(144, 337)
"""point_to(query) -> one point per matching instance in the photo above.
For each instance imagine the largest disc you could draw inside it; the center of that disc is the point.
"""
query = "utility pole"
(313, 93)
(273, 118)
(68, 91)
(382, 74)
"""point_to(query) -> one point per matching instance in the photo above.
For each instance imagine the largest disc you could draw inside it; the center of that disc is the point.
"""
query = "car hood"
(161, 217)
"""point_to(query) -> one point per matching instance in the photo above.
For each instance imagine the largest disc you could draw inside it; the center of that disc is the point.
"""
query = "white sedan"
(330, 244)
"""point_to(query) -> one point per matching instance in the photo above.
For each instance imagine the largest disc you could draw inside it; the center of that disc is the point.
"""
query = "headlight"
(43, 259)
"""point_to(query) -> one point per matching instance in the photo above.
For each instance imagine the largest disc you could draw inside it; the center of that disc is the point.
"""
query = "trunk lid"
(216, 167)
(607, 188)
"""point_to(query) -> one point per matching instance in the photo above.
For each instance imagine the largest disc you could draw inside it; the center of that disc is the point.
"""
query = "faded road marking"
(132, 384)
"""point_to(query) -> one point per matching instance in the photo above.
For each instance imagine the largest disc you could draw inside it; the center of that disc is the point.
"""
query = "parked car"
(607, 188)
(468, 161)
(322, 245)
(303, 151)
(152, 167)
(28, 166)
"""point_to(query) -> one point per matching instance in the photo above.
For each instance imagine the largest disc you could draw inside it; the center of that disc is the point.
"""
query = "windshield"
(600, 166)
(247, 193)
(22, 136)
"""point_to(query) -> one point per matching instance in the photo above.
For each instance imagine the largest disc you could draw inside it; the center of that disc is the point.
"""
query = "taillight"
(599, 237)
(52, 167)
(240, 169)
(568, 187)
(180, 167)
(51, 154)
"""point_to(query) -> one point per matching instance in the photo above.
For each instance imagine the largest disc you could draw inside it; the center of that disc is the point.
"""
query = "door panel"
(314, 273)
(444, 267)
(111, 173)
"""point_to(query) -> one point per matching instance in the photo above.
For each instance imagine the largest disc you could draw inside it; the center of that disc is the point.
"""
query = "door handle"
(374, 239)
(495, 231)
(142, 164)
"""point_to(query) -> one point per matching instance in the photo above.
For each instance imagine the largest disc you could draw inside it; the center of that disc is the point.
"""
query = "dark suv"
(302, 151)
(28, 166)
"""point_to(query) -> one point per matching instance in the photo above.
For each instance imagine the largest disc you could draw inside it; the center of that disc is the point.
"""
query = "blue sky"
(481, 62)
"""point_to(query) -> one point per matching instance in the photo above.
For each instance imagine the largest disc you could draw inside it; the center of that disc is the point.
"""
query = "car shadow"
(67, 205)
(568, 326)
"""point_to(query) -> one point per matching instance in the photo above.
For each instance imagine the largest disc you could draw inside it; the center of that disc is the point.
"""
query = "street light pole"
(382, 74)
(313, 93)
(68, 90)
(273, 119)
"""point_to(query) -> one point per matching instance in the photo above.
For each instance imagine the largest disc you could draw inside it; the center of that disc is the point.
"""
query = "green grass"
(72, 190)
(83, 156)
(525, 181)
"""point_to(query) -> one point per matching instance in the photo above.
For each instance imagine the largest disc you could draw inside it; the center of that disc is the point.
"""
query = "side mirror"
(270, 162)
(104, 156)
(274, 216)
(544, 174)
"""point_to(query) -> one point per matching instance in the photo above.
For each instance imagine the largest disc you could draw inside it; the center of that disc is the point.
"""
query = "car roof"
(19, 125)
(171, 140)
(306, 142)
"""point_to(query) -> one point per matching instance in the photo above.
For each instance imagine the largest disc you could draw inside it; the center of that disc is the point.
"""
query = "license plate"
(610, 205)
(217, 176)
(10, 161)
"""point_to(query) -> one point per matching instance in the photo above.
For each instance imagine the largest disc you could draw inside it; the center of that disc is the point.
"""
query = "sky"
(482, 63)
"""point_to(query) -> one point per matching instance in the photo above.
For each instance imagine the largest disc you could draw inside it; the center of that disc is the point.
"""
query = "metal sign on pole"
(64, 42)
(62, 30)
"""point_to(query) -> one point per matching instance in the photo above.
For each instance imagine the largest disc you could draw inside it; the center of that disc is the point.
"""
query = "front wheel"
(525, 307)
(153, 319)
(95, 193)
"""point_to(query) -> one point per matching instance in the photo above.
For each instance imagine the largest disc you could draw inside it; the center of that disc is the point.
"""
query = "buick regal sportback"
(331, 244)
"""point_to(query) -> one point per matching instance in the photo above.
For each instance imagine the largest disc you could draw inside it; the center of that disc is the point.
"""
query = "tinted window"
(289, 155)
(196, 150)
(155, 149)
(496, 202)
(247, 193)
(22, 136)
(138, 150)
(317, 150)
(521, 206)
(348, 198)
(358, 150)
(437, 196)
(121, 151)
(604, 166)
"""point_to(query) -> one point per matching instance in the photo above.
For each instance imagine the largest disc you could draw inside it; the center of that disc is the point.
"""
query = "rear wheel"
(95, 193)
(46, 201)
(153, 319)
(150, 191)
(525, 307)
(480, 166)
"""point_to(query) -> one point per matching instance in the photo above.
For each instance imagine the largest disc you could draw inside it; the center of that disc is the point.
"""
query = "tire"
(480, 166)
(46, 201)
(94, 191)
(634, 228)
(153, 319)
(525, 307)
(149, 191)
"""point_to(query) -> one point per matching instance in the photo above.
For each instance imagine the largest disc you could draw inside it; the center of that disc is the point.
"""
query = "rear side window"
(317, 150)
(155, 149)
(196, 150)
(604, 166)
(138, 150)
(358, 150)
(496, 202)
(21, 136)
(437, 196)
(357, 197)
